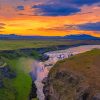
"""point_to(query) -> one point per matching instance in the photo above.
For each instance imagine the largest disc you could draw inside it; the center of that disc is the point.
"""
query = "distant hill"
(72, 37)
(81, 37)
(13, 36)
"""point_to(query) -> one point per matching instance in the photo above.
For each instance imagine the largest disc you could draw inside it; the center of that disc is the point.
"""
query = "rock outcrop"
(33, 91)
(75, 78)
(66, 86)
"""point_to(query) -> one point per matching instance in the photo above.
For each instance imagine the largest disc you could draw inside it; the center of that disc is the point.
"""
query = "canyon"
(41, 69)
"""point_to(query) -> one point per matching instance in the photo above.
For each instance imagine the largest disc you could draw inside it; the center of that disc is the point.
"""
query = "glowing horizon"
(49, 18)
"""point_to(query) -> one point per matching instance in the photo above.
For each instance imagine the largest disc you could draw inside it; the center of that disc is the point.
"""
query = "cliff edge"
(75, 78)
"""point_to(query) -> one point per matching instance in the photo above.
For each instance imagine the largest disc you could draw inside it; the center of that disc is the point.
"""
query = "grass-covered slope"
(15, 81)
(18, 44)
(15, 78)
(22, 82)
(75, 78)
(7, 90)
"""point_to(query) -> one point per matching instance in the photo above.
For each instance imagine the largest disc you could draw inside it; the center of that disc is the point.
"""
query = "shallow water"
(41, 69)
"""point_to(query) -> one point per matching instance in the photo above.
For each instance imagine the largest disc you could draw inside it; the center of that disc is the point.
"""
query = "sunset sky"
(50, 17)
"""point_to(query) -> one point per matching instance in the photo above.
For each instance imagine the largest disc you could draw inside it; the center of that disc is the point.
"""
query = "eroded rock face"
(33, 92)
(66, 86)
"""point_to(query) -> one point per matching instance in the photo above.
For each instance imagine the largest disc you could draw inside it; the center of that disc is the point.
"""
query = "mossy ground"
(19, 87)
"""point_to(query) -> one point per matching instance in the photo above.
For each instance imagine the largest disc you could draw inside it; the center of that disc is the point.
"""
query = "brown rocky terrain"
(75, 78)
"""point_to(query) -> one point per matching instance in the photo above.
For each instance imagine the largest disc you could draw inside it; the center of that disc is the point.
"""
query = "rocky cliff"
(76, 78)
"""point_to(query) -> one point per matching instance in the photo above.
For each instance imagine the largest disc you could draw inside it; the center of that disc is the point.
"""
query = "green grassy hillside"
(18, 87)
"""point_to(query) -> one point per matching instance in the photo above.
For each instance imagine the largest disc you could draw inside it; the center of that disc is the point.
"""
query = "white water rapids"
(41, 69)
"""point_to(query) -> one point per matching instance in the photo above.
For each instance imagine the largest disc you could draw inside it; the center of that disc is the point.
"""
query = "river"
(41, 69)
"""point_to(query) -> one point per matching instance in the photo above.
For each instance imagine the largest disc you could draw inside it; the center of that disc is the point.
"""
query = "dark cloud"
(75, 2)
(55, 10)
(21, 14)
(61, 7)
(90, 26)
(1, 31)
(85, 2)
(20, 7)
(79, 2)
(2, 25)
(61, 28)
(86, 27)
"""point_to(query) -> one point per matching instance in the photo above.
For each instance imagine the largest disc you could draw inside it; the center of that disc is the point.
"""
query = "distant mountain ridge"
(71, 37)
(81, 37)
(13, 36)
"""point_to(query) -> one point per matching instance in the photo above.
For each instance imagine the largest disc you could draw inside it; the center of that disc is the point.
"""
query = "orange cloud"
(24, 22)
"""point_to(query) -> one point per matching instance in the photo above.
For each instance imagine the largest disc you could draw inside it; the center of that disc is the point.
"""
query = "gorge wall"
(75, 78)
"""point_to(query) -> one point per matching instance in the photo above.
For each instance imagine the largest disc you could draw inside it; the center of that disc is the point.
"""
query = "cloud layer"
(77, 2)
(2, 25)
(61, 7)
(20, 7)
(90, 26)
(55, 10)
(86, 27)
(50, 17)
